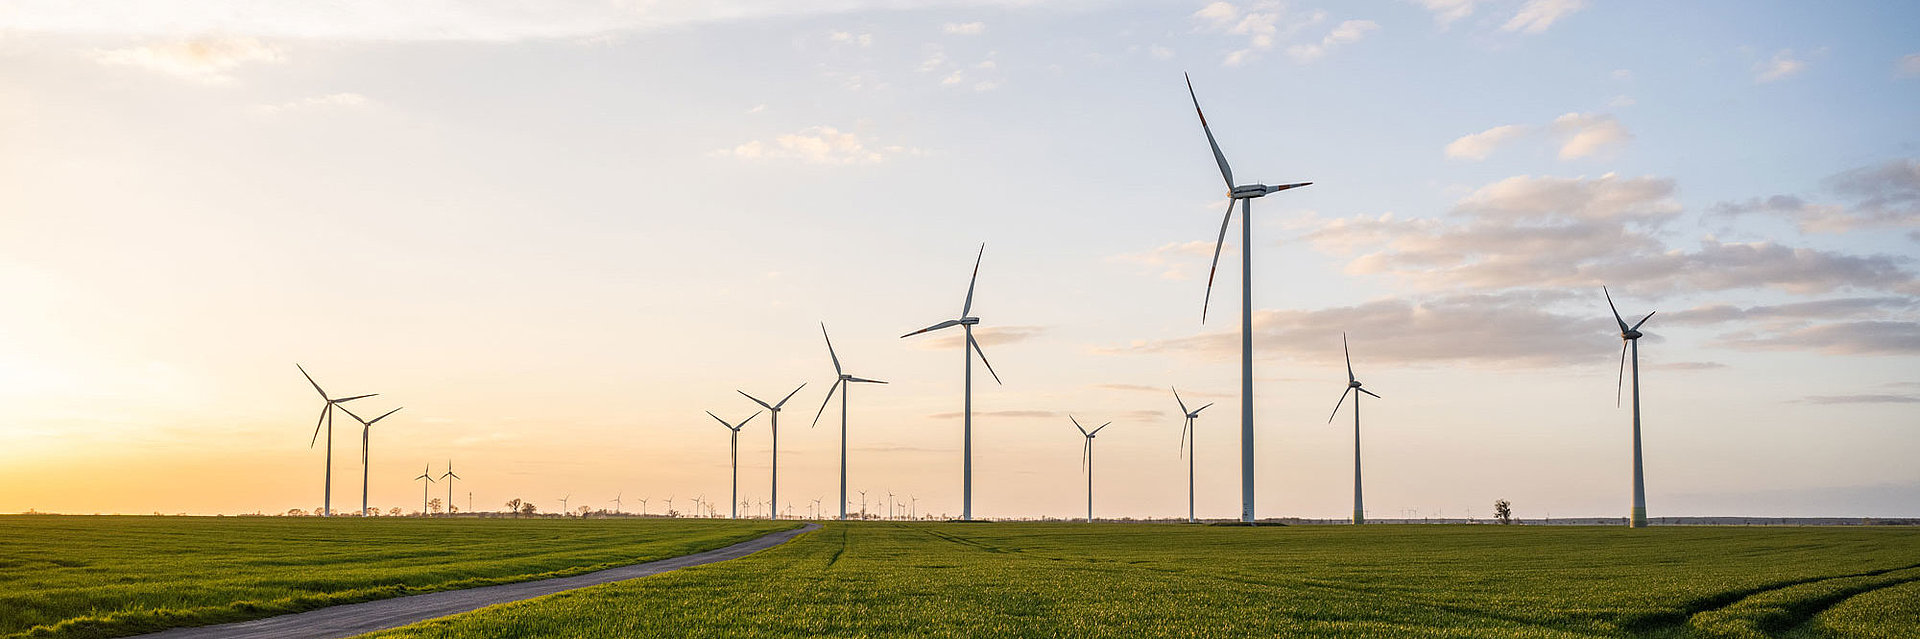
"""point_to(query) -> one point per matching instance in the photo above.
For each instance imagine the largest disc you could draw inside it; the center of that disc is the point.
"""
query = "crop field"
(1158, 580)
(114, 576)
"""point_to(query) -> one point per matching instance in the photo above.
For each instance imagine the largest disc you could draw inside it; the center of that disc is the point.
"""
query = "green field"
(1161, 580)
(113, 576)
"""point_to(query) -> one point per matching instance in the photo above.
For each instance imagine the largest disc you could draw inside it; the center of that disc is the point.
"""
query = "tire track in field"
(1776, 617)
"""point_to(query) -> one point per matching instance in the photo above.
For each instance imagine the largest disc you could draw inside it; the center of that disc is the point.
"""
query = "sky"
(557, 233)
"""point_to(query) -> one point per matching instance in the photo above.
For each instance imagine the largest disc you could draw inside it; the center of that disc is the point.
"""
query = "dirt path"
(354, 619)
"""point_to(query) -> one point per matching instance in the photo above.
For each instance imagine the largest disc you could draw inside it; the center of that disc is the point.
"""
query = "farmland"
(113, 576)
(1074, 580)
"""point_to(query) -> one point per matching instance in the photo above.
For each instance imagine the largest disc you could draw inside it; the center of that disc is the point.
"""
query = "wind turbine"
(1630, 340)
(1086, 460)
(816, 507)
(563, 504)
(967, 351)
(775, 409)
(427, 474)
(448, 479)
(670, 512)
(643, 508)
(365, 429)
(842, 384)
(1187, 441)
(1244, 194)
(616, 501)
(326, 417)
(733, 431)
(1353, 387)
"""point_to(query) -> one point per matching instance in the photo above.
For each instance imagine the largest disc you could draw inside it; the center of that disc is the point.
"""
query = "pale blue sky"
(558, 233)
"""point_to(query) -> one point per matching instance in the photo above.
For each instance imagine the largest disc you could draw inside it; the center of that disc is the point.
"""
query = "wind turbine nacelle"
(1353, 384)
(969, 321)
(1249, 191)
(1631, 334)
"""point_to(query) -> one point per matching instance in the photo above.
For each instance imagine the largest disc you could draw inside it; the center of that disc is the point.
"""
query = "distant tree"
(584, 510)
(433, 506)
(528, 509)
(395, 512)
(513, 506)
(1503, 511)
(295, 512)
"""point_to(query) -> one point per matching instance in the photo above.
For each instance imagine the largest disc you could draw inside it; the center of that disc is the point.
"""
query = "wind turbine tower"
(1630, 340)
(843, 384)
(448, 480)
(326, 417)
(366, 428)
(967, 350)
(1353, 387)
(1187, 442)
(426, 474)
(775, 410)
(1244, 195)
(1086, 459)
(733, 431)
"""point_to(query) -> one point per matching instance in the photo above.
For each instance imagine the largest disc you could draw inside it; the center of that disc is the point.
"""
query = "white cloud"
(818, 145)
(204, 59)
(1783, 65)
(330, 101)
(1445, 12)
(1908, 65)
(859, 39)
(1478, 146)
(1589, 134)
(1621, 101)
(1536, 15)
(1260, 23)
(1886, 195)
(1159, 52)
(965, 28)
(1622, 75)
(1346, 32)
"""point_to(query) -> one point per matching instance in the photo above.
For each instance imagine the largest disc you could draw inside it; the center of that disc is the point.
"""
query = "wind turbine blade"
(1086, 450)
(1183, 438)
(316, 385)
(1183, 404)
(1616, 310)
(934, 327)
(1096, 431)
(865, 380)
(316, 426)
(349, 399)
(1336, 405)
(1283, 187)
(1196, 411)
(1348, 353)
(1076, 424)
(377, 419)
(824, 402)
(354, 416)
(983, 359)
(783, 401)
(967, 307)
(1369, 393)
(836, 358)
(743, 423)
(722, 421)
(1621, 380)
(1215, 268)
(756, 400)
(1219, 158)
(1643, 320)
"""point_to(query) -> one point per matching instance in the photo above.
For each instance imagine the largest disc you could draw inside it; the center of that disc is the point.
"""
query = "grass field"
(113, 576)
(1074, 580)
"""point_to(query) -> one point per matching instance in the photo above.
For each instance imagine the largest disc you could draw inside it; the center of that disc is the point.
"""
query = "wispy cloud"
(1477, 146)
(1537, 15)
(1174, 260)
(987, 336)
(818, 145)
(1837, 338)
(846, 37)
(965, 28)
(1263, 23)
(204, 60)
(329, 101)
(1861, 399)
(1346, 32)
(1885, 195)
(1009, 414)
(1781, 66)
(1446, 12)
(1588, 134)
(1908, 65)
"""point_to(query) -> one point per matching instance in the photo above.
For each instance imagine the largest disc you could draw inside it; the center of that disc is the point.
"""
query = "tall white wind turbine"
(366, 430)
(1187, 445)
(616, 501)
(775, 410)
(1244, 194)
(1630, 340)
(733, 432)
(1353, 387)
(326, 418)
(448, 479)
(967, 350)
(427, 474)
(1086, 459)
(843, 383)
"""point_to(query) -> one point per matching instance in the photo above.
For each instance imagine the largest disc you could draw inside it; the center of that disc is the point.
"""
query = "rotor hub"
(1630, 334)
(969, 321)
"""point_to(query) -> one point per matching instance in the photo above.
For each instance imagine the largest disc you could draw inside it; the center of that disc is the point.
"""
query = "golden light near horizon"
(560, 233)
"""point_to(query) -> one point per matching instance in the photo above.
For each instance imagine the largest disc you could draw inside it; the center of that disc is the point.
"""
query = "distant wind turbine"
(670, 512)
(326, 417)
(616, 501)
(775, 409)
(967, 350)
(1187, 442)
(366, 428)
(733, 432)
(815, 509)
(843, 384)
(563, 504)
(1353, 387)
(448, 479)
(1630, 340)
(643, 508)
(426, 474)
(1244, 194)
(1086, 459)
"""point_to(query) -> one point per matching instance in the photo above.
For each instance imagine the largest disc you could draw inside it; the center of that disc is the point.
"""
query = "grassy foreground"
(114, 576)
(1074, 580)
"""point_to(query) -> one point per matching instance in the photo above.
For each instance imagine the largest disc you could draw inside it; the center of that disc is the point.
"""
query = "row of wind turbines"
(1241, 194)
